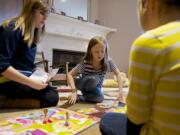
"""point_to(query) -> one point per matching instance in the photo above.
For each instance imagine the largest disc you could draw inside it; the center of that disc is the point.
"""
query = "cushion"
(110, 83)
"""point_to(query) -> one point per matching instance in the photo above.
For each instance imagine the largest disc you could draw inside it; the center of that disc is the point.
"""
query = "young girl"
(92, 70)
(18, 39)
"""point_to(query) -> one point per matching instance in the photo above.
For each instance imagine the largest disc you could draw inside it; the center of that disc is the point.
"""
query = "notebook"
(43, 76)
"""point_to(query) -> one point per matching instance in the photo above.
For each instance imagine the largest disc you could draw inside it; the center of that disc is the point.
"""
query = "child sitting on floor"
(92, 70)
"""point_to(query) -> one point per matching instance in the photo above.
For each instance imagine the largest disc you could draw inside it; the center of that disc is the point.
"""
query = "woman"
(18, 42)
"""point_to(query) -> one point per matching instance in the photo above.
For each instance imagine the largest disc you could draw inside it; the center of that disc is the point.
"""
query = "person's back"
(165, 108)
(154, 71)
(158, 91)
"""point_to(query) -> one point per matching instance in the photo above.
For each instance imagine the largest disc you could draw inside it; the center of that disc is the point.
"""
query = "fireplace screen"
(60, 57)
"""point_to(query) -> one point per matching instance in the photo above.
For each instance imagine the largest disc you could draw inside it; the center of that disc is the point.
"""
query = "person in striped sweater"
(154, 72)
(92, 70)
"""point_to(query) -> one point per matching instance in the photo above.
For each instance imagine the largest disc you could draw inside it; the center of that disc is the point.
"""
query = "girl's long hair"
(26, 21)
(88, 56)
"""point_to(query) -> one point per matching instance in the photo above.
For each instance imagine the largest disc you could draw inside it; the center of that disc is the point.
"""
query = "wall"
(9, 8)
(119, 14)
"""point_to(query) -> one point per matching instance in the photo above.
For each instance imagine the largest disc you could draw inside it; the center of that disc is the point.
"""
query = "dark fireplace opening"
(60, 57)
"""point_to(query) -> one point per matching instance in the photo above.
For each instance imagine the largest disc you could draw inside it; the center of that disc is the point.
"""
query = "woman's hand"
(72, 98)
(37, 84)
(12, 74)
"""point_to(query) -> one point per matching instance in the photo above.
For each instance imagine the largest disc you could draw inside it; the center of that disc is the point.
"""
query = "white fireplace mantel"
(71, 34)
(73, 28)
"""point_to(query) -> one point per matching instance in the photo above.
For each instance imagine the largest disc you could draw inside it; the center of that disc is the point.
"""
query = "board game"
(52, 121)
(96, 113)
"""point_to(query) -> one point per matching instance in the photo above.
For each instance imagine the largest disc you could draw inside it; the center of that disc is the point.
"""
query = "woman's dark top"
(14, 51)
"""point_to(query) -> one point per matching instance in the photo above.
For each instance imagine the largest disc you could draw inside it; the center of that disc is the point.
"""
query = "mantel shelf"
(74, 28)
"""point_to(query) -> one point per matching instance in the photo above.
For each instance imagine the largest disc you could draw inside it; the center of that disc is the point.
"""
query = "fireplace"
(66, 39)
(60, 57)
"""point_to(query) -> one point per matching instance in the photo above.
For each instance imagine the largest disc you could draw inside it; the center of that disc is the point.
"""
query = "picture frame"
(78, 9)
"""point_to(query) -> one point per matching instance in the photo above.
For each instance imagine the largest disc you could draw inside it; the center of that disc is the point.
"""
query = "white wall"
(119, 14)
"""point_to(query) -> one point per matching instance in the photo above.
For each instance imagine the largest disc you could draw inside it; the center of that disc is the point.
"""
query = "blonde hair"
(94, 41)
(25, 21)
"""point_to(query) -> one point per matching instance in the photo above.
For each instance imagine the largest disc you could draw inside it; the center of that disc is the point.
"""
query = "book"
(43, 76)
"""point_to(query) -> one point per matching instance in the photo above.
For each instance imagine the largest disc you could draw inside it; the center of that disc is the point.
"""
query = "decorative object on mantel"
(63, 13)
(53, 10)
(97, 22)
(80, 18)
(58, 13)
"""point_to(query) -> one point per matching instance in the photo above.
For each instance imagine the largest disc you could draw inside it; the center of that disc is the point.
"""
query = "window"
(72, 8)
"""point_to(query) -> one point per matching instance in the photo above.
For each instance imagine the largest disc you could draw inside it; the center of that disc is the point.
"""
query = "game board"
(96, 113)
(53, 121)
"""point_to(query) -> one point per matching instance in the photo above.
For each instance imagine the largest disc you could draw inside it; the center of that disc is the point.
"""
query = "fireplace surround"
(61, 57)
(69, 35)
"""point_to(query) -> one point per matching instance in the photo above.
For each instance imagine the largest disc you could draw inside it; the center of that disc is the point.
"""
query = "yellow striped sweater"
(154, 73)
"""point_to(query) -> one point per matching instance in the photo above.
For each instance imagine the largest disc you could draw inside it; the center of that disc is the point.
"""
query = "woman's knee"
(99, 99)
(50, 98)
(113, 124)
(91, 84)
(105, 126)
(94, 99)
